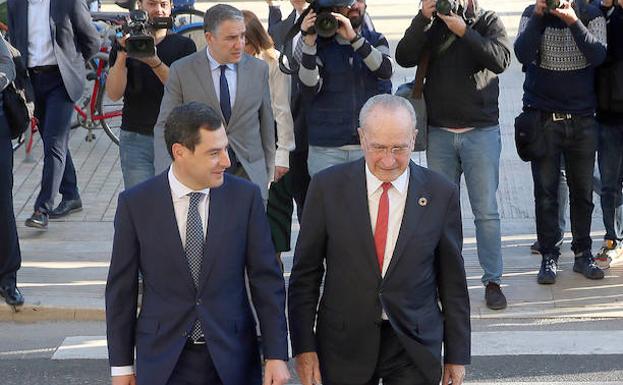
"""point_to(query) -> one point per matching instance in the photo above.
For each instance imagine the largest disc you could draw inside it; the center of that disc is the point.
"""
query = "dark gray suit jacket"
(426, 270)
(73, 35)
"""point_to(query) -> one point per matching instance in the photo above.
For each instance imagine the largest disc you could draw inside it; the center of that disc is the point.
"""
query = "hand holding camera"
(564, 11)
(345, 28)
(455, 23)
(307, 28)
(428, 8)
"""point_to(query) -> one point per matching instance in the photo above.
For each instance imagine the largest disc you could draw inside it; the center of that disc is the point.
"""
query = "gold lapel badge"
(422, 201)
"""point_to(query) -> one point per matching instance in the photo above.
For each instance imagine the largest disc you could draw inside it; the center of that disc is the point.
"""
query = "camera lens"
(326, 24)
(552, 4)
(444, 7)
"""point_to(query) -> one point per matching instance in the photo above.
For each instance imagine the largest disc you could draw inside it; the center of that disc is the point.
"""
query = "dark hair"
(185, 121)
(256, 35)
(219, 13)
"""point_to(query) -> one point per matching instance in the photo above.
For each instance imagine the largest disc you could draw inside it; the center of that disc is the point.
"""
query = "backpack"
(17, 97)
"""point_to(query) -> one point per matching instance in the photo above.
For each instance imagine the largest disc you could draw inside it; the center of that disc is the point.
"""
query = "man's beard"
(356, 21)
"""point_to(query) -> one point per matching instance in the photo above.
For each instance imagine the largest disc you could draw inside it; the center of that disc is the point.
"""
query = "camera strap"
(420, 75)
(296, 28)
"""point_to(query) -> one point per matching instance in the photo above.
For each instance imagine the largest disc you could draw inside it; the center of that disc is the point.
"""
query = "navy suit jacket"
(73, 35)
(426, 269)
(238, 239)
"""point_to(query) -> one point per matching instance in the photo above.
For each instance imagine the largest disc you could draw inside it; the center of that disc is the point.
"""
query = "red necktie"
(382, 219)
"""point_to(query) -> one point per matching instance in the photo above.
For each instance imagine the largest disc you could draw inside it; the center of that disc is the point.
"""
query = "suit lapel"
(243, 78)
(288, 48)
(207, 83)
(216, 212)
(413, 213)
(169, 225)
(361, 215)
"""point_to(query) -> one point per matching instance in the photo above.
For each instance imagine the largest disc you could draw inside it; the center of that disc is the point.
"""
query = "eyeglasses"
(394, 151)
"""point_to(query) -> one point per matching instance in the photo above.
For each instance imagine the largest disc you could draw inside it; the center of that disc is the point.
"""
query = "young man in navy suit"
(193, 232)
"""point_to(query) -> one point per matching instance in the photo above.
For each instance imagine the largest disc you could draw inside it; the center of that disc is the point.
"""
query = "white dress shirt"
(279, 84)
(181, 201)
(40, 47)
(230, 73)
(397, 195)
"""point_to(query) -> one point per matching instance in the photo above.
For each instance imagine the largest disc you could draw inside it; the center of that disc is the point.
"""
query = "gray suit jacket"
(251, 128)
(73, 35)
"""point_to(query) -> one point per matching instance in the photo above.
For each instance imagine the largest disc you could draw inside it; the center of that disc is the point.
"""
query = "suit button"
(198, 302)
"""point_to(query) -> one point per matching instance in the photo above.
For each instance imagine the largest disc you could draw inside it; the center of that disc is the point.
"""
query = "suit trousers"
(394, 366)
(195, 367)
(10, 257)
(53, 109)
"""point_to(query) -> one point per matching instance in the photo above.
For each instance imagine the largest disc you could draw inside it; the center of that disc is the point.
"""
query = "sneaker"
(610, 250)
(535, 248)
(494, 297)
(585, 265)
(549, 268)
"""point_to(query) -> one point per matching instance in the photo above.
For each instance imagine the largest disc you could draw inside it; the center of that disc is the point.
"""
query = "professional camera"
(445, 7)
(326, 24)
(140, 43)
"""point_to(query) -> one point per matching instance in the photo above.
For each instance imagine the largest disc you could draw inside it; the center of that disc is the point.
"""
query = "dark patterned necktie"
(194, 248)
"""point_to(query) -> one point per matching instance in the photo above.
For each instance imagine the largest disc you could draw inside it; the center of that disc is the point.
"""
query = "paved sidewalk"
(64, 269)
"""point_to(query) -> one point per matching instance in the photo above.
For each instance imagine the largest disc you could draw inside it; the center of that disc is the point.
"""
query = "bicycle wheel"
(186, 16)
(194, 32)
(111, 112)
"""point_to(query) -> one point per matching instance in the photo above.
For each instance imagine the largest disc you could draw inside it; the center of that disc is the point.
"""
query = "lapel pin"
(422, 201)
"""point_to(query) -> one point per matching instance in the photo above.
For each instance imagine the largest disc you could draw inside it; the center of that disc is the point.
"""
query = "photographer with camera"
(140, 80)
(610, 118)
(343, 65)
(560, 44)
(464, 48)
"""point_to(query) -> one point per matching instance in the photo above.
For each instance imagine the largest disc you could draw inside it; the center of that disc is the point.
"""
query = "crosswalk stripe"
(499, 343)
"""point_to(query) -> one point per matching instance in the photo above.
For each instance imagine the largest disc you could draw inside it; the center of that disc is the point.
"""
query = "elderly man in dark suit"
(193, 232)
(386, 235)
(55, 37)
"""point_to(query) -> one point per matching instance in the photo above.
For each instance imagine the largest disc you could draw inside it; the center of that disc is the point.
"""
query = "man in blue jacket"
(560, 49)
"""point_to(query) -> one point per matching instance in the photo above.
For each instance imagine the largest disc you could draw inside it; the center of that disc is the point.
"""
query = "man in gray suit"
(234, 84)
(55, 37)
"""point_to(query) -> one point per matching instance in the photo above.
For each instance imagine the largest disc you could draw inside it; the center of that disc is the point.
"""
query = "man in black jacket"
(467, 49)
(610, 118)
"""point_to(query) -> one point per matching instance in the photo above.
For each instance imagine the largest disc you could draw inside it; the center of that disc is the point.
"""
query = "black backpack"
(17, 97)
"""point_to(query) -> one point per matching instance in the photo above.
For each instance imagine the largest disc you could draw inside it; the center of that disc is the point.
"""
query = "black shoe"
(535, 248)
(66, 207)
(38, 220)
(494, 297)
(585, 265)
(12, 296)
(547, 273)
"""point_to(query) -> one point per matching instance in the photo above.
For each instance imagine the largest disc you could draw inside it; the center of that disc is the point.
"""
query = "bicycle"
(94, 109)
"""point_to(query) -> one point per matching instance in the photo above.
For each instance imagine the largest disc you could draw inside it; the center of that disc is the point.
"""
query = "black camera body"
(140, 43)
(326, 24)
(445, 7)
(553, 4)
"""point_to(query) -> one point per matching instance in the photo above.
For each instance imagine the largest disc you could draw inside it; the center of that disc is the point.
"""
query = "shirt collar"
(400, 184)
(214, 64)
(178, 189)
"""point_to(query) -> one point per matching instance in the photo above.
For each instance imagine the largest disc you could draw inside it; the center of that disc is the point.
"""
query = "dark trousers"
(10, 257)
(195, 367)
(610, 156)
(575, 140)
(53, 109)
(394, 366)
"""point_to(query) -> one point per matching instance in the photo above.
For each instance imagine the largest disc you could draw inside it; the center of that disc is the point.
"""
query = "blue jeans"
(610, 157)
(320, 158)
(137, 157)
(476, 154)
(54, 108)
(575, 141)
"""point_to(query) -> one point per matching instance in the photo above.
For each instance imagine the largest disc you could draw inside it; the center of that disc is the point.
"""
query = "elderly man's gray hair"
(390, 102)
(219, 13)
